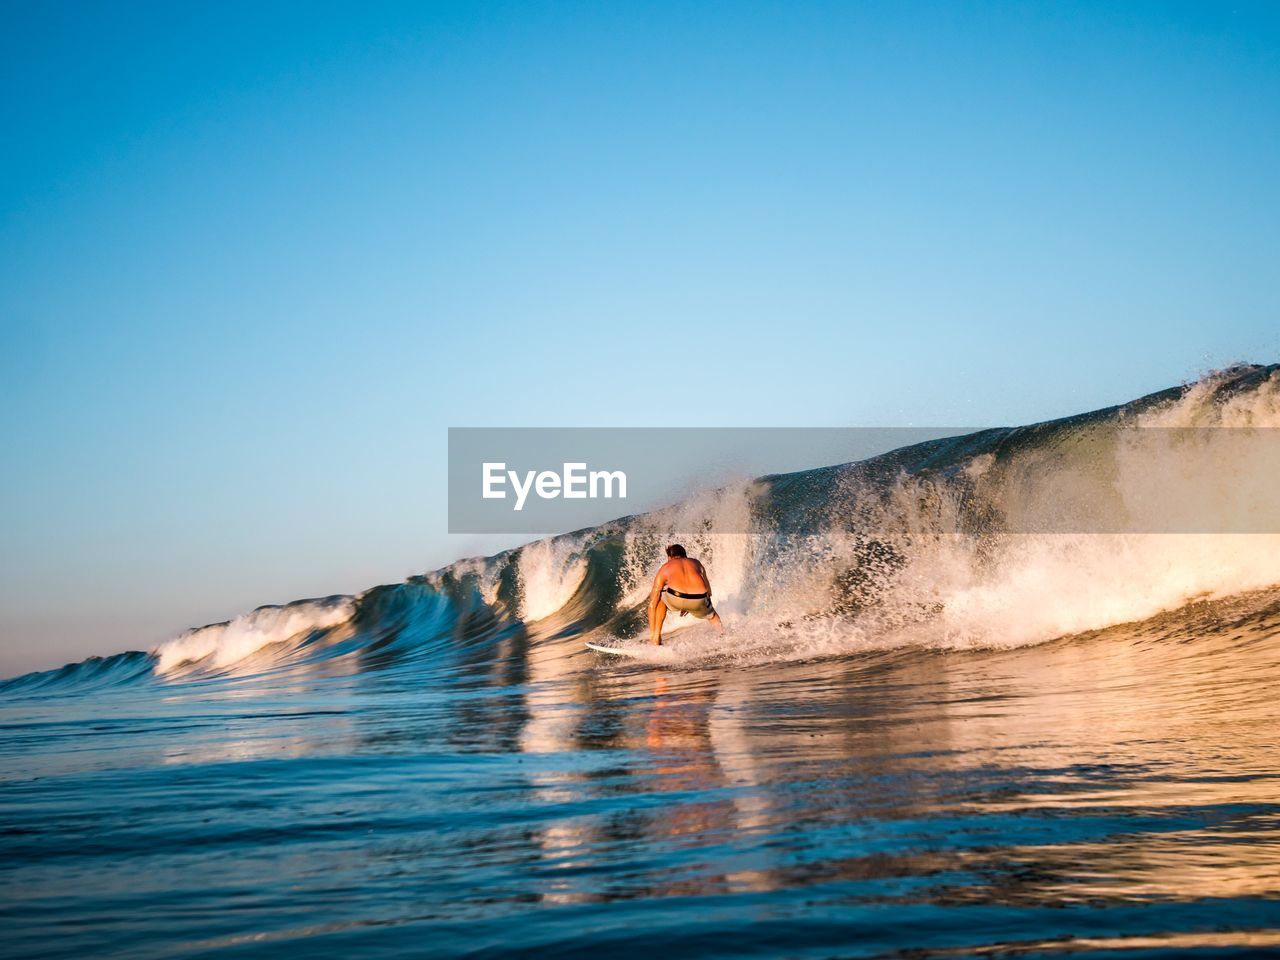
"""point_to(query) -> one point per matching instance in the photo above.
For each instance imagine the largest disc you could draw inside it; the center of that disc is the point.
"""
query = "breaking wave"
(1000, 538)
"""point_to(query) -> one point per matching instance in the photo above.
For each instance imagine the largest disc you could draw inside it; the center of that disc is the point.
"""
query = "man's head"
(675, 550)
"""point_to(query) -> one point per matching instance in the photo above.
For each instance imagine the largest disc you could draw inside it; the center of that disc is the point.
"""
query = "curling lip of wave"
(593, 580)
(227, 643)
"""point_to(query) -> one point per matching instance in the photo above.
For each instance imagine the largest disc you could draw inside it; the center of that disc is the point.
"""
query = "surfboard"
(633, 650)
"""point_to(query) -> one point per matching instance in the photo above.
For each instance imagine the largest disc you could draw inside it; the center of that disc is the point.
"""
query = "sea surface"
(913, 741)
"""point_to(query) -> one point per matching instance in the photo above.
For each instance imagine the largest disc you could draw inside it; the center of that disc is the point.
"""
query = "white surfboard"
(633, 650)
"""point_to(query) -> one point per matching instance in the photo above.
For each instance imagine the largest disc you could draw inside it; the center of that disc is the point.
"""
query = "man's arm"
(657, 612)
(705, 579)
(655, 595)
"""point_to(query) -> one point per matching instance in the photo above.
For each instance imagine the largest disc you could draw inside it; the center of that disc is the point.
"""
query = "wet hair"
(675, 550)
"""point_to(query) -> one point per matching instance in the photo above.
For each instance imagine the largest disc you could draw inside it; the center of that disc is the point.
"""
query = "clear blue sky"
(255, 258)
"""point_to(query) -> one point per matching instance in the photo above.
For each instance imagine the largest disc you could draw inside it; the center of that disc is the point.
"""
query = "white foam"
(224, 644)
(550, 572)
(999, 590)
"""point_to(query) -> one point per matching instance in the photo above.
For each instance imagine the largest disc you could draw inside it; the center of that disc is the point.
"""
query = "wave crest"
(915, 547)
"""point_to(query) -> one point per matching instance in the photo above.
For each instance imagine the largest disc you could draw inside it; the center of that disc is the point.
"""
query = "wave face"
(898, 550)
(933, 729)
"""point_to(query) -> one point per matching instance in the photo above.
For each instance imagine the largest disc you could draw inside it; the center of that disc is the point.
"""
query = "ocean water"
(928, 739)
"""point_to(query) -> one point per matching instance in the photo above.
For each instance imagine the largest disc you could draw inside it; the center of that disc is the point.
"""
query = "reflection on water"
(1113, 792)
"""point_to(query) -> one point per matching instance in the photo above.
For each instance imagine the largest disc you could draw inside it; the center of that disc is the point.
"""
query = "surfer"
(681, 585)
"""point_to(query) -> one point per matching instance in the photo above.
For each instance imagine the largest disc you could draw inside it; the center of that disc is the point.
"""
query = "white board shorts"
(700, 607)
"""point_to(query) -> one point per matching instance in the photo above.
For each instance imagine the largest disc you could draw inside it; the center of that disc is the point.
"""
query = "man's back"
(685, 575)
(681, 585)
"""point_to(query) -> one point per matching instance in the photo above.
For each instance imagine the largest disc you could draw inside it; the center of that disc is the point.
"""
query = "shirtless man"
(681, 585)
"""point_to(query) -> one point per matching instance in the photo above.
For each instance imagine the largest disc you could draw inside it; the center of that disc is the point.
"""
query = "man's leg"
(715, 621)
(657, 614)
